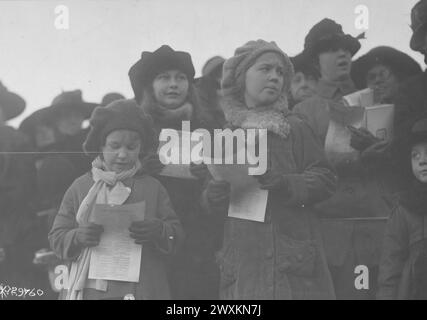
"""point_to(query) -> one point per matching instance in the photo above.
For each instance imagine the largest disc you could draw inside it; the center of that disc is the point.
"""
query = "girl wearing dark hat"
(382, 69)
(163, 85)
(282, 257)
(120, 136)
(403, 267)
(360, 194)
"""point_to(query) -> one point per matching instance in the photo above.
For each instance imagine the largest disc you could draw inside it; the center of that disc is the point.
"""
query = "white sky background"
(107, 36)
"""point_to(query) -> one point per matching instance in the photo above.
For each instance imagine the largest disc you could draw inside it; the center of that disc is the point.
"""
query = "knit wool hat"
(119, 115)
(235, 68)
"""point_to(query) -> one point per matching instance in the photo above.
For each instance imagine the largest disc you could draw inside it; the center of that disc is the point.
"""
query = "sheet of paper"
(247, 200)
(117, 257)
(379, 121)
(361, 98)
(181, 150)
(337, 142)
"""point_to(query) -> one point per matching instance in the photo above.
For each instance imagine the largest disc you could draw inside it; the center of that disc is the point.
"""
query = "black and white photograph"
(213, 154)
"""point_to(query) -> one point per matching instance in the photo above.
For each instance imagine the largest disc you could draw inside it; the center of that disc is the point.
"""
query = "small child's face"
(419, 161)
(121, 150)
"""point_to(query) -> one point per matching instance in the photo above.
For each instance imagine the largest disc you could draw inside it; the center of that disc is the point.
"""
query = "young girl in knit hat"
(120, 135)
(281, 257)
(403, 266)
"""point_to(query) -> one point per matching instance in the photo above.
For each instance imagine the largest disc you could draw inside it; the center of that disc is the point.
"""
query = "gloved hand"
(376, 151)
(272, 181)
(151, 164)
(88, 235)
(361, 139)
(147, 230)
(200, 171)
(218, 192)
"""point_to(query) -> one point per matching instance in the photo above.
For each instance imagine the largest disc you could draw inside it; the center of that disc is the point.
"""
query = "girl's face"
(303, 86)
(419, 161)
(171, 88)
(382, 80)
(264, 80)
(335, 64)
(121, 150)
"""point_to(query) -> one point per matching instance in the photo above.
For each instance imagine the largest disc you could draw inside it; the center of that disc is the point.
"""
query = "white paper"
(337, 142)
(247, 200)
(117, 257)
(379, 121)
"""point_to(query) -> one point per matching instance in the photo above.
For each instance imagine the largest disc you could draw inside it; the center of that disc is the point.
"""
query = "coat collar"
(335, 89)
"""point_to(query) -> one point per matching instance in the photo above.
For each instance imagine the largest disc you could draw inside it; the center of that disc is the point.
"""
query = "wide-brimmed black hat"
(328, 34)
(303, 63)
(151, 64)
(418, 25)
(401, 64)
(11, 104)
(68, 102)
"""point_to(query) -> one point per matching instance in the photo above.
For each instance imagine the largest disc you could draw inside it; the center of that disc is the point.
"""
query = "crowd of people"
(321, 220)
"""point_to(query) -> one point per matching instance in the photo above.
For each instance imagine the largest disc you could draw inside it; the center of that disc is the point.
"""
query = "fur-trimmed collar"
(272, 118)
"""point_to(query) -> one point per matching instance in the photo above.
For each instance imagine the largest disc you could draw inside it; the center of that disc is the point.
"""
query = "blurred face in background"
(303, 86)
(171, 88)
(70, 124)
(264, 81)
(44, 136)
(419, 161)
(382, 80)
(335, 64)
(121, 150)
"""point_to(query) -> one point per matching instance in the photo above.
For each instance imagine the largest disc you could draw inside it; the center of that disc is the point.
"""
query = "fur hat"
(272, 118)
(151, 64)
(119, 115)
(303, 63)
(328, 34)
(402, 65)
(11, 104)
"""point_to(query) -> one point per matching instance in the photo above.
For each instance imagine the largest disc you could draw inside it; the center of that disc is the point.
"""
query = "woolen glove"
(272, 181)
(200, 171)
(147, 230)
(218, 192)
(377, 151)
(151, 164)
(361, 138)
(88, 235)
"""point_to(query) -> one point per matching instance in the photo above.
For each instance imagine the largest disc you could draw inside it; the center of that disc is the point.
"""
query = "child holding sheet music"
(120, 134)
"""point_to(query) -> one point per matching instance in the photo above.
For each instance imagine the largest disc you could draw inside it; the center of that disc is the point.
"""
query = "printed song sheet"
(117, 257)
(247, 200)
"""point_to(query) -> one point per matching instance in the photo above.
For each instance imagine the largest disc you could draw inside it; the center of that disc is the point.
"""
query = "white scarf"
(100, 193)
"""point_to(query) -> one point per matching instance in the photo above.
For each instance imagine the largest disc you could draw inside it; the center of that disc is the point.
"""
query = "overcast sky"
(105, 37)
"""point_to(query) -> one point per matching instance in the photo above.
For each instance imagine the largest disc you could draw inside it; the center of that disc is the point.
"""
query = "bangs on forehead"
(118, 134)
